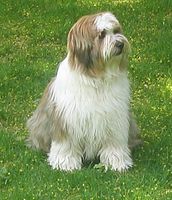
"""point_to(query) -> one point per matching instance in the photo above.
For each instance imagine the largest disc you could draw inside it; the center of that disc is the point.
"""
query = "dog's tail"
(134, 133)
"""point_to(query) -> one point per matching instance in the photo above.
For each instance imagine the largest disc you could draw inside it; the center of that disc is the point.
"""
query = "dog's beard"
(115, 47)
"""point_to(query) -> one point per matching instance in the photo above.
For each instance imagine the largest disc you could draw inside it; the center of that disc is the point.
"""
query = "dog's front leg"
(116, 157)
(115, 153)
(65, 156)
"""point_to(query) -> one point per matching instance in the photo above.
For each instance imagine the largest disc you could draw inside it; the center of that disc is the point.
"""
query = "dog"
(85, 110)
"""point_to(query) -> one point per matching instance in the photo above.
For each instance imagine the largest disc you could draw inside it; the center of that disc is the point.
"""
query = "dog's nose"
(119, 44)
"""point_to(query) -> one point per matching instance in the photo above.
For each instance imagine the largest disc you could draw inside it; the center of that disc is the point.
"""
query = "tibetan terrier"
(85, 110)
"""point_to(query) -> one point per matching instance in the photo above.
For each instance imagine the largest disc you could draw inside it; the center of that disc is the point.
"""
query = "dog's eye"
(102, 34)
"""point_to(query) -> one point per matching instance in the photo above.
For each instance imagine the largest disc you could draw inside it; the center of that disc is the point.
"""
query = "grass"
(33, 40)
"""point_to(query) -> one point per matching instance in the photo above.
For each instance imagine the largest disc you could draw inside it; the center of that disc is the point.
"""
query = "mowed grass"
(32, 41)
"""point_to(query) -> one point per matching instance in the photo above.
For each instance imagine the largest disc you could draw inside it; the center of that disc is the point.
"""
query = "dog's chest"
(90, 108)
(84, 109)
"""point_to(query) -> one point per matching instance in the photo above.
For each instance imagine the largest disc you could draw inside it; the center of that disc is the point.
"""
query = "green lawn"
(32, 41)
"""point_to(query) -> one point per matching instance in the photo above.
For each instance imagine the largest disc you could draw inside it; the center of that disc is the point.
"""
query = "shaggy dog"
(85, 110)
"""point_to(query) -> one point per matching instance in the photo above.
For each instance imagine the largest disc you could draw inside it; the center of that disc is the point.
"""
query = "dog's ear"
(125, 58)
(124, 62)
(79, 48)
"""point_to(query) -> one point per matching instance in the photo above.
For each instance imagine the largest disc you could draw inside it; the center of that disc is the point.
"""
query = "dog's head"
(96, 42)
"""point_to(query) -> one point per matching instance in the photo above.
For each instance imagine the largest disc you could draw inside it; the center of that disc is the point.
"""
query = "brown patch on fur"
(83, 48)
(45, 125)
(80, 40)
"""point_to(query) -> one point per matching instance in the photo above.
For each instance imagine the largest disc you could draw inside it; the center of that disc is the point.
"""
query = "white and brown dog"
(85, 110)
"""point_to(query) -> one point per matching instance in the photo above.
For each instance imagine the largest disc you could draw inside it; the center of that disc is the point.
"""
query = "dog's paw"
(117, 159)
(64, 163)
(63, 158)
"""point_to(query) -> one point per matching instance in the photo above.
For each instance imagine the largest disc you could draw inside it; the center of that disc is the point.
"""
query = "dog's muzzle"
(119, 44)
